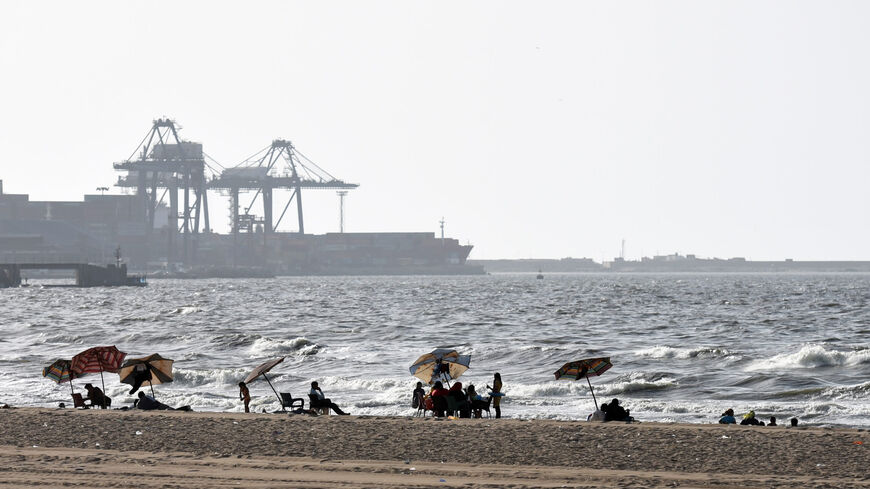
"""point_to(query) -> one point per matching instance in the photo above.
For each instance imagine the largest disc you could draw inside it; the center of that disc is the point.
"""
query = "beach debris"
(725, 436)
(138, 432)
(442, 480)
(858, 442)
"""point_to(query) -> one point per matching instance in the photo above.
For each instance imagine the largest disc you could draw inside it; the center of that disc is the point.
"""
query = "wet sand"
(54, 447)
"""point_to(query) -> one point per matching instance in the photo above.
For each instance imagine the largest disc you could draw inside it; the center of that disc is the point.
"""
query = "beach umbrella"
(150, 370)
(98, 359)
(60, 372)
(452, 365)
(578, 369)
(261, 370)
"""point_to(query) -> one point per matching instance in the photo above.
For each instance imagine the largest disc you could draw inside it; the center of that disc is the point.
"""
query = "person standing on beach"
(495, 392)
(245, 395)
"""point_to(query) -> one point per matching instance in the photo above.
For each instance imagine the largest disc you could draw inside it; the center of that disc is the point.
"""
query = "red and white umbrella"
(98, 359)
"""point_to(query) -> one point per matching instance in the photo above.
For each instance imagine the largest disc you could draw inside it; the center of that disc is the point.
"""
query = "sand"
(57, 447)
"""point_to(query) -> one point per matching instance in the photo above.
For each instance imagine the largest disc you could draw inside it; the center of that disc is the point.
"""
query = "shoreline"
(370, 451)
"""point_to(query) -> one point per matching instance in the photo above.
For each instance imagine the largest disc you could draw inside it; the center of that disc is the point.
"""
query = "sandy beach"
(63, 447)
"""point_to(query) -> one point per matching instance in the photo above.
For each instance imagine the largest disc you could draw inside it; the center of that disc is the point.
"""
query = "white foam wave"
(271, 346)
(228, 376)
(860, 391)
(187, 309)
(661, 351)
(811, 356)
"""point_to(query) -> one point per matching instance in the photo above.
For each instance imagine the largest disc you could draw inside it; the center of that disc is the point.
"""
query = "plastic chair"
(78, 400)
(314, 401)
(288, 401)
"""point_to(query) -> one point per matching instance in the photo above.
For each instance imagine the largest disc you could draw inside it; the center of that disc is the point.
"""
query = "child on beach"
(418, 396)
(245, 395)
(728, 417)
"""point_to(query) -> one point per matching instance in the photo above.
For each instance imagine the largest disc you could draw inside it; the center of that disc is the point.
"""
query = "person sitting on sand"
(439, 399)
(793, 421)
(615, 412)
(750, 420)
(318, 400)
(97, 398)
(245, 395)
(772, 421)
(728, 417)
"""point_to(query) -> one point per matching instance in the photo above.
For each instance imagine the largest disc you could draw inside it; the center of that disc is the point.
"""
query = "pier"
(87, 275)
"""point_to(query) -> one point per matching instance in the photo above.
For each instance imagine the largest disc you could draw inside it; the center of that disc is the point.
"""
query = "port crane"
(277, 166)
(164, 161)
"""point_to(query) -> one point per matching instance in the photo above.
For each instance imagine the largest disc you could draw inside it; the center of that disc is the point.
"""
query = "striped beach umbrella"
(579, 369)
(60, 372)
(98, 359)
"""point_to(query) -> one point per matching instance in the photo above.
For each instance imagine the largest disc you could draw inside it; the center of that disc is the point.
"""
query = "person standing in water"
(245, 395)
(495, 392)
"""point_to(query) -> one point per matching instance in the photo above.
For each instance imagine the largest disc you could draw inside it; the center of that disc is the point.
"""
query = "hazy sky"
(537, 129)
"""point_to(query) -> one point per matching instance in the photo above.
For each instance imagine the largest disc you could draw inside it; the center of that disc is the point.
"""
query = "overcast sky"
(536, 129)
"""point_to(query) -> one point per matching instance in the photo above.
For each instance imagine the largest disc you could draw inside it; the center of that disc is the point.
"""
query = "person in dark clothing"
(148, 403)
(461, 401)
(141, 373)
(245, 396)
(318, 400)
(615, 412)
(97, 398)
(750, 419)
(772, 421)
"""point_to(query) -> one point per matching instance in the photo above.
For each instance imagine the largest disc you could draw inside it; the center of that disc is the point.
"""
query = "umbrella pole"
(593, 393)
(71, 392)
(276, 392)
(102, 381)
(152, 390)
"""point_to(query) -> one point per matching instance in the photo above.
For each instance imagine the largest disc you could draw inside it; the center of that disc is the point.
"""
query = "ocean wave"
(224, 376)
(684, 353)
(270, 346)
(859, 391)
(186, 309)
(811, 356)
(636, 382)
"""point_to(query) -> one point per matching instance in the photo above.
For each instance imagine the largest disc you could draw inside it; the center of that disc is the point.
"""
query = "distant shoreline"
(669, 264)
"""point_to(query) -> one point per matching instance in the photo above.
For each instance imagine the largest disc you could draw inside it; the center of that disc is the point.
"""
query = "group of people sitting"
(611, 412)
(749, 419)
(451, 402)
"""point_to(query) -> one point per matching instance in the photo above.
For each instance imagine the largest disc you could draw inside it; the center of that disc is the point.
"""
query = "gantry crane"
(277, 166)
(164, 161)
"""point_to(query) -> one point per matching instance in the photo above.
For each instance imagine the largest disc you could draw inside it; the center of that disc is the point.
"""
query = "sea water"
(684, 347)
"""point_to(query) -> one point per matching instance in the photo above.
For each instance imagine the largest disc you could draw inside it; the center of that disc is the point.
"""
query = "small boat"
(540, 275)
